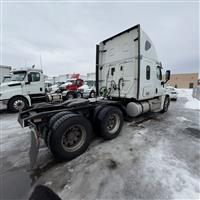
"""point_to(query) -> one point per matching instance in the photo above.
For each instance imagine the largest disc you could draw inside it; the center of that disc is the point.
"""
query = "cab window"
(148, 72)
(159, 73)
(35, 76)
(147, 45)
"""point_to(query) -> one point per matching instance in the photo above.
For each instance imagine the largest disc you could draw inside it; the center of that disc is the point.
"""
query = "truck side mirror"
(29, 78)
(167, 76)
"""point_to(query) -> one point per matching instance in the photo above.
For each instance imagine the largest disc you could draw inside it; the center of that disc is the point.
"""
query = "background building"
(186, 80)
(4, 70)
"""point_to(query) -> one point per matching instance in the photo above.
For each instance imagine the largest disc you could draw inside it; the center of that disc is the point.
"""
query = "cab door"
(158, 80)
(147, 84)
(36, 84)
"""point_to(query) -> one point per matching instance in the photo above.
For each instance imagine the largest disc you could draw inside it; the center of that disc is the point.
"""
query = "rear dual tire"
(70, 136)
(109, 122)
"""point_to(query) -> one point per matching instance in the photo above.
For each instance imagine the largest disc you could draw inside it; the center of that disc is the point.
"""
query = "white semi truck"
(25, 86)
(128, 76)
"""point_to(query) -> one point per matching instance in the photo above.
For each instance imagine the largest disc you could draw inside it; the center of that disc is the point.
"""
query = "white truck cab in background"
(87, 90)
(25, 86)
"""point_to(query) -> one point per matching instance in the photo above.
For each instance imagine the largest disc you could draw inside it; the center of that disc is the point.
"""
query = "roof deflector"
(127, 30)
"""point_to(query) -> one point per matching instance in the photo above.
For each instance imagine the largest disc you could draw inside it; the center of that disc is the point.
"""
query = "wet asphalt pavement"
(155, 156)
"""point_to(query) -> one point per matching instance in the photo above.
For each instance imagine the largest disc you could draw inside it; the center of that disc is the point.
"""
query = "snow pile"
(192, 103)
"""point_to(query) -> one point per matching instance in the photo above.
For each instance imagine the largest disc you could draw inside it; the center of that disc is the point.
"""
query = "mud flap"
(34, 149)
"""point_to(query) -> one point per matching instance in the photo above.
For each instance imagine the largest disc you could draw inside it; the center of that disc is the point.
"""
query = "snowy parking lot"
(156, 156)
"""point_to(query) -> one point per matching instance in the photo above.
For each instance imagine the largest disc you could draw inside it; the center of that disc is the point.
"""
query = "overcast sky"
(65, 34)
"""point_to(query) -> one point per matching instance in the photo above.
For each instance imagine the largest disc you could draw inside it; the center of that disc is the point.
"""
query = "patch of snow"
(182, 119)
(192, 103)
(48, 183)
(173, 175)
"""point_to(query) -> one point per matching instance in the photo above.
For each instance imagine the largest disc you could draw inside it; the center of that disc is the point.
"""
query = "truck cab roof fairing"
(127, 30)
(147, 48)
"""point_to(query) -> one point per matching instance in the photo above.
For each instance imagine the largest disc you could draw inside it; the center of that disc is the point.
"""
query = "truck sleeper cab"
(128, 69)
(128, 83)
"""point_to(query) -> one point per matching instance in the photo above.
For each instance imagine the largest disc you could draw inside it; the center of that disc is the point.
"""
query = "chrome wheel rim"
(19, 104)
(113, 123)
(73, 138)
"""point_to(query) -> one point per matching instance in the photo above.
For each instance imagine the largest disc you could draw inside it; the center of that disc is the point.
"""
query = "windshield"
(18, 76)
(90, 83)
(71, 81)
(6, 79)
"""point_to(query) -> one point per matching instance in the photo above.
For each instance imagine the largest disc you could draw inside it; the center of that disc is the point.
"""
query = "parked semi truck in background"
(87, 90)
(25, 87)
(28, 86)
(128, 76)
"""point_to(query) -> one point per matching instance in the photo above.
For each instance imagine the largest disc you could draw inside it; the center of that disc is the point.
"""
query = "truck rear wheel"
(17, 103)
(52, 120)
(109, 121)
(57, 116)
(70, 137)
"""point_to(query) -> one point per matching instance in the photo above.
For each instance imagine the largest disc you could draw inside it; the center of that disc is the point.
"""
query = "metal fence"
(196, 93)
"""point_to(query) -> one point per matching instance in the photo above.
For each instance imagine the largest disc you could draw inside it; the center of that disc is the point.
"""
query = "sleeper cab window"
(147, 45)
(112, 71)
(148, 71)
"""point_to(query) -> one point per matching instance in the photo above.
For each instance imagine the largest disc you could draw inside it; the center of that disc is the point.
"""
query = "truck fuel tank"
(51, 97)
(134, 109)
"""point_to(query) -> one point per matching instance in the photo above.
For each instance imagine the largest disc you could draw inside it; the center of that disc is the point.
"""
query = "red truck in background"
(69, 89)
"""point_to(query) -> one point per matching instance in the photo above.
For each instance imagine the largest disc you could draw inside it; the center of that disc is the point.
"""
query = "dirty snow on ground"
(192, 103)
(156, 156)
(153, 158)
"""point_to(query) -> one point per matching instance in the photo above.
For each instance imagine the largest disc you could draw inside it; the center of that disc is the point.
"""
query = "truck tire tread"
(101, 122)
(57, 132)
(57, 116)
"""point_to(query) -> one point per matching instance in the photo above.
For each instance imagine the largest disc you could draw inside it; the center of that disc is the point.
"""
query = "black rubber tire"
(11, 107)
(102, 120)
(92, 94)
(51, 122)
(79, 95)
(70, 94)
(58, 130)
(166, 104)
(55, 117)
